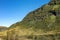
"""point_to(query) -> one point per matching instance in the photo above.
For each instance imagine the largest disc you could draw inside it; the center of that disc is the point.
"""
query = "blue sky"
(12, 11)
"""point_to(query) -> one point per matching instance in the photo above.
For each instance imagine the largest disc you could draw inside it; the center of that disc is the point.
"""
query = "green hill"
(46, 18)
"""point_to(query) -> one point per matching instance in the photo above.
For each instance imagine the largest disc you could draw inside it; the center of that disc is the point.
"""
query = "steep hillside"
(46, 18)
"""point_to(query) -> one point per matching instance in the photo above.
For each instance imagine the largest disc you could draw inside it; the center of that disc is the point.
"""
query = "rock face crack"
(53, 12)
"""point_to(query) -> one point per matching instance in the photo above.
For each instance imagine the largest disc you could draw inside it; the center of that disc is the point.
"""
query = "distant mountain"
(2, 28)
